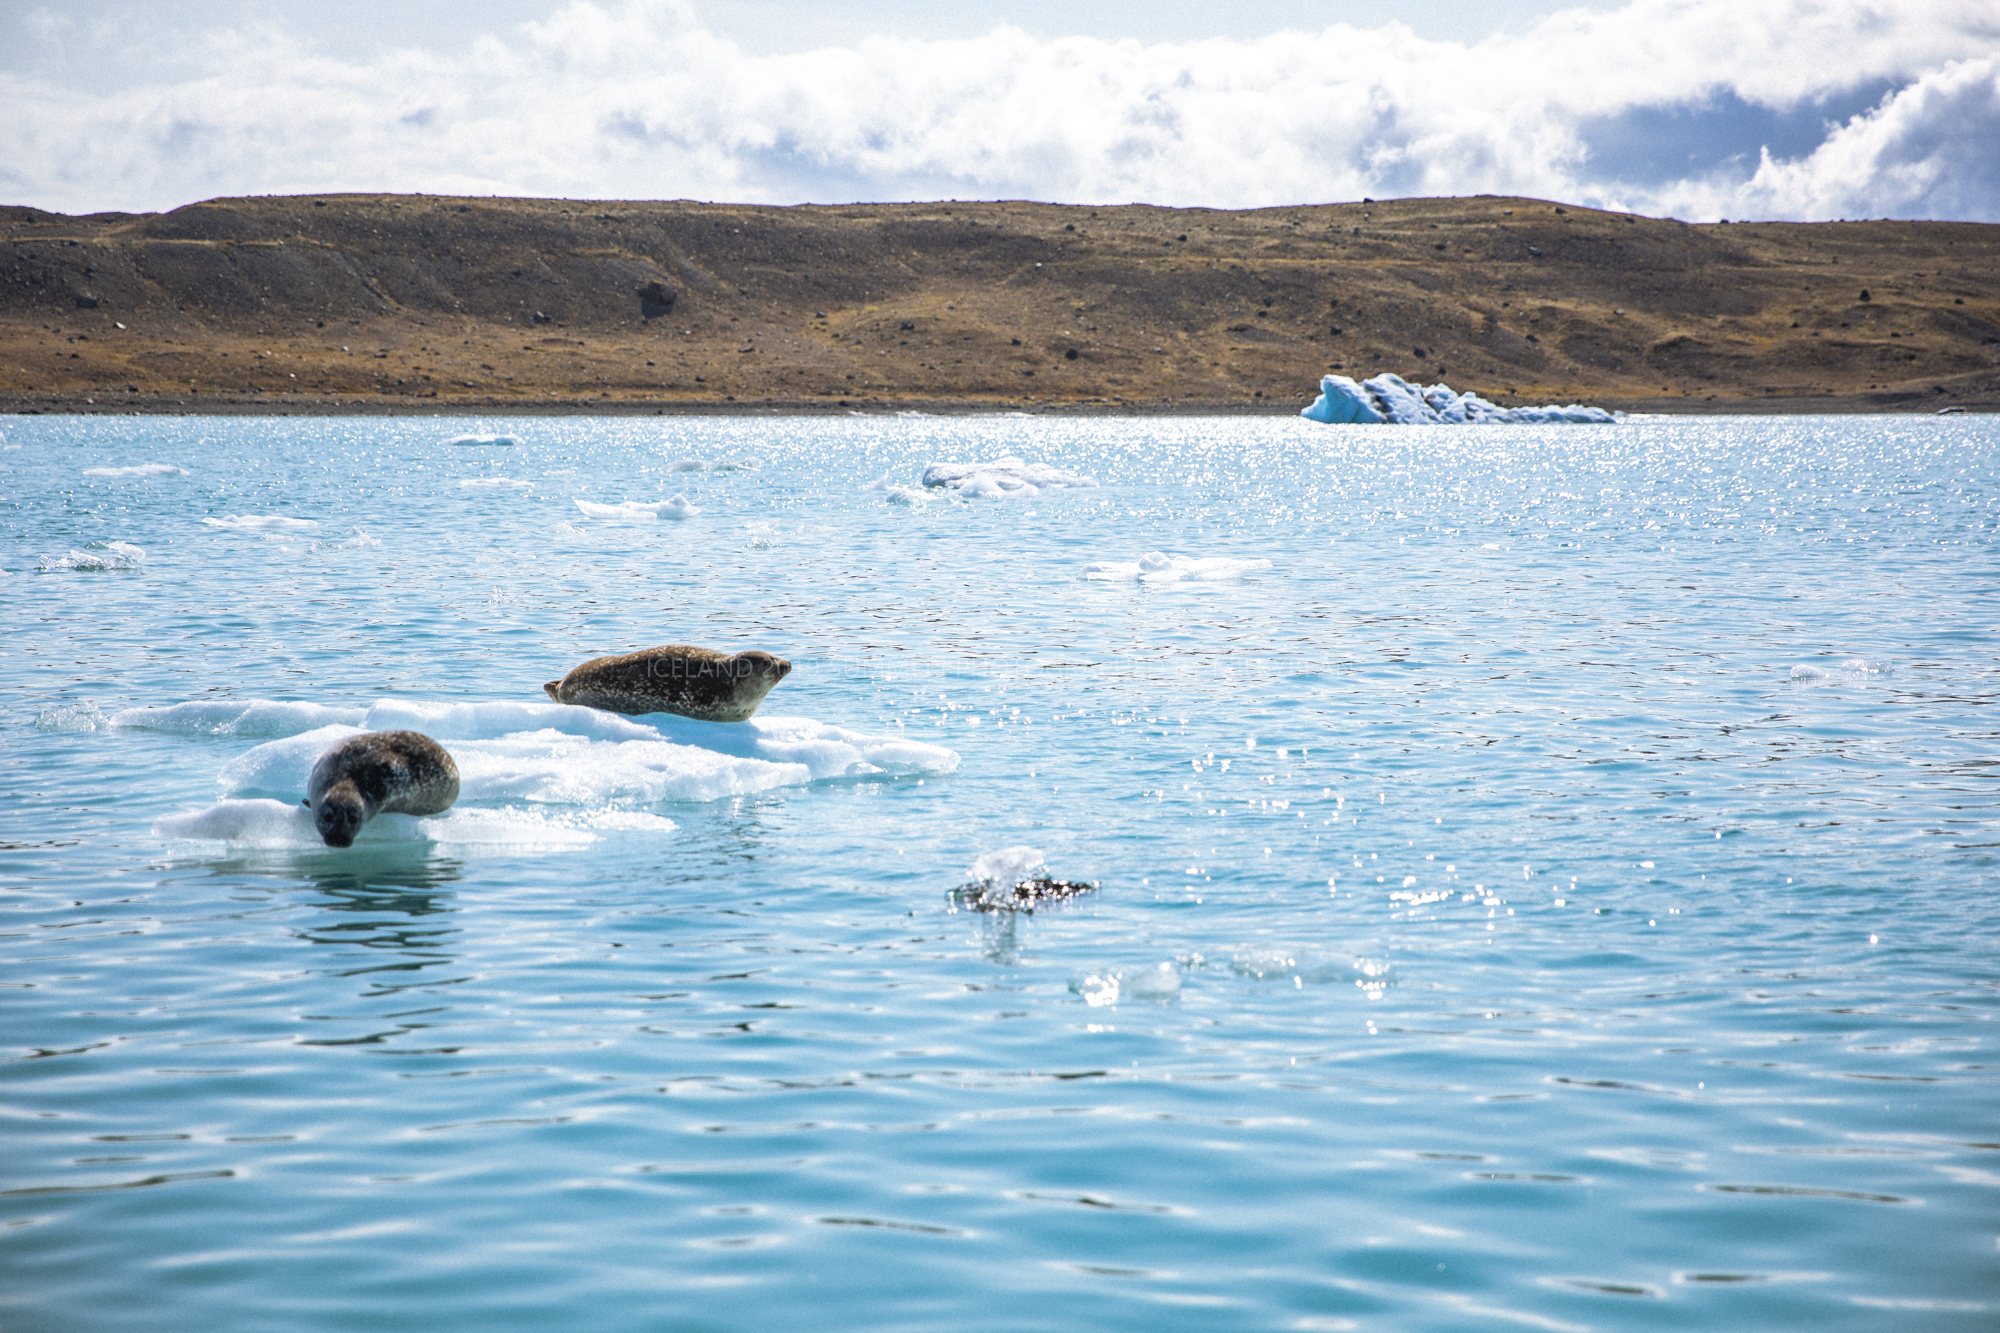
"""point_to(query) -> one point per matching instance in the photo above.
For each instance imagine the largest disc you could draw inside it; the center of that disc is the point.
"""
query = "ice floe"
(1394, 400)
(1003, 478)
(896, 494)
(261, 822)
(715, 465)
(261, 523)
(1854, 671)
(483, 439)
(1157, 567)
(137, 470)
(237, 717)
(97, 558)
(676, 506)
(545, 754)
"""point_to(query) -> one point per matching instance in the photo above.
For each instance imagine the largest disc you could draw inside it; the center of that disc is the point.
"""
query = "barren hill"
(381, 302)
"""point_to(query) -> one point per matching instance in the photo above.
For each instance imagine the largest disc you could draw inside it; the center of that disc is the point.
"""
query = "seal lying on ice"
(400, 772)
(674, 678)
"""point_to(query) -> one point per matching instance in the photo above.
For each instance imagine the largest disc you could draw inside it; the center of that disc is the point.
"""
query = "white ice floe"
(1003, 478)
(96, 558)
(483, 439)
(676, 506)
(896, 494)
(603, 764)
(261, 523)
(1854, 671)
(1394, 400)
(495, 484)
(284, 824)
(1156, 567)
(237, 717)
(715, 465)
(138, 470)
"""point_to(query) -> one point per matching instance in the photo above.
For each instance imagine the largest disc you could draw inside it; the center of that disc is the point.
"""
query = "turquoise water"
(1557, 892)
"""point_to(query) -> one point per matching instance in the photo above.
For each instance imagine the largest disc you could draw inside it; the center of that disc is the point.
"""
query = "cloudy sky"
(1697, 109)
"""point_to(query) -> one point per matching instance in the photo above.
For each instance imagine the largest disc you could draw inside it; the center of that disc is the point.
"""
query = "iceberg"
(1391, 399)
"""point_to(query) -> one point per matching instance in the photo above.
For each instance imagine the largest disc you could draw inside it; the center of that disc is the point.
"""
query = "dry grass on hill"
(380, 302)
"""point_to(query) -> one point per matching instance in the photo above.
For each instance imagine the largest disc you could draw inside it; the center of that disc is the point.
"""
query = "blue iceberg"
(1394, 400)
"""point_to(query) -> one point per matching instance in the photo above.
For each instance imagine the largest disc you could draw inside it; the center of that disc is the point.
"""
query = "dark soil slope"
(361, 302)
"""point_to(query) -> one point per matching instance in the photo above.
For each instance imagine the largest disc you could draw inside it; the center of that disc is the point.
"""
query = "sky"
(1697, 109)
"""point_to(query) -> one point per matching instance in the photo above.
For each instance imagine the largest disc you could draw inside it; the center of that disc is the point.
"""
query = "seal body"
(675, 678)
(398, 772)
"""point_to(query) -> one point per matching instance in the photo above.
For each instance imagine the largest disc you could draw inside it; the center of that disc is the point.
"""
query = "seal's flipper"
(552, 687)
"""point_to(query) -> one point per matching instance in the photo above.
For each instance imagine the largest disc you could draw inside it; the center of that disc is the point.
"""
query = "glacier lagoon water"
(1557, 892)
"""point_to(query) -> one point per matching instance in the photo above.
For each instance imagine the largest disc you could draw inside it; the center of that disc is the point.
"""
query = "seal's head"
(340, 815)
(759, 665)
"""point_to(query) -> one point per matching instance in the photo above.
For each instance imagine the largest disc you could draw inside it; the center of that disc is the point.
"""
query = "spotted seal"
(399, 772)
(694, 682)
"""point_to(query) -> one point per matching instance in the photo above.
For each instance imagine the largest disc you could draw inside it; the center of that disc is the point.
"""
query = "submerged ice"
(1391, 399)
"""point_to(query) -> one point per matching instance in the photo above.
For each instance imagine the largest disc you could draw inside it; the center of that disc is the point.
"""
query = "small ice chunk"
(496, 484)
(1102, 987)
(96, 558)
(1393, 399)
(137, 470)
(1014, 879)
(745, 464)
(260, 523)
(1157, 567)
(84, 716)
(504, 440)
(676, 506)
(1003, 478)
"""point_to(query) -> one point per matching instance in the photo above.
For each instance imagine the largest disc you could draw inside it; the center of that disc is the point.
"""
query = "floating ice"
(96, 558)
(675, 507)
(1101, 987)
(85, 716)
(1393, 399)
(267, 823)
(1014, 879)
(139, 470)
(715, 465)
(1854, 671)
(260, 523)
(895, 494)
(551, 753)
(483, 439)
(1003, 478)
(495, 484)
(1306, 967)
(1154, 567)
(237, 717)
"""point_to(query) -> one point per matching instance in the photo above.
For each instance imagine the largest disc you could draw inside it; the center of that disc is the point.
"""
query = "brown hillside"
(380, 302)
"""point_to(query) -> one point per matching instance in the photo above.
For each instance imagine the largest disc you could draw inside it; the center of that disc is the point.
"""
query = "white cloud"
(1702, 108)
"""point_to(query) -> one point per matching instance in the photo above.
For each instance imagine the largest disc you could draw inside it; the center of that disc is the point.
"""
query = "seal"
(694, 682)
(379, 772)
